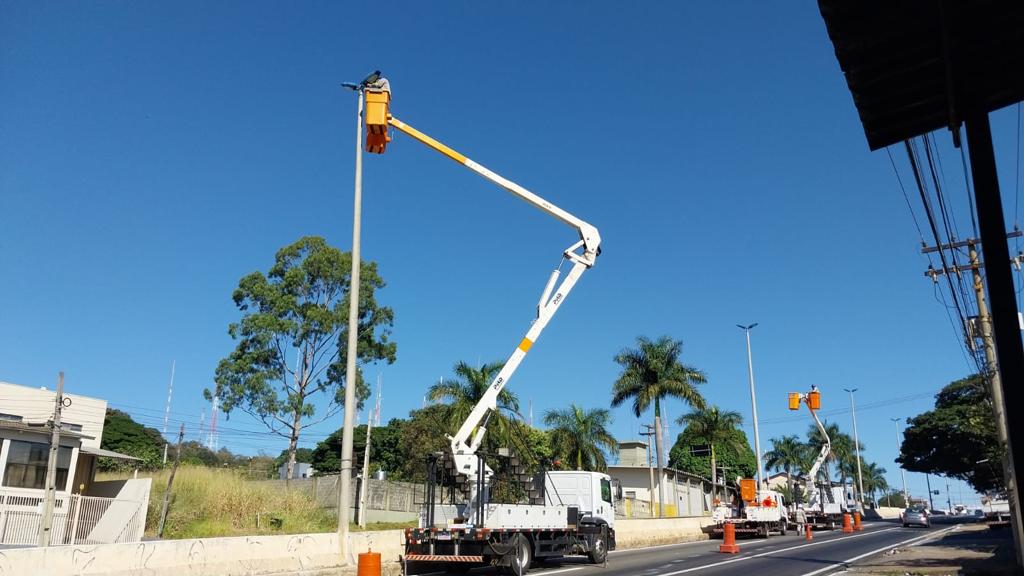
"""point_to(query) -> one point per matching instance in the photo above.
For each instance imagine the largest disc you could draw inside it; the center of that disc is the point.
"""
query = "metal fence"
(381, 494)
(77, 519)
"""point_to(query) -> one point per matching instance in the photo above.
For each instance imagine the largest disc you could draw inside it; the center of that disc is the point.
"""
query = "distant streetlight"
(906, 495)
(753, 401)
(856, 442)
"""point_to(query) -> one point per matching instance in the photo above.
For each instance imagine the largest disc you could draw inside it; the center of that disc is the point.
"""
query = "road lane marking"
(659, 546)
(561, 570)
(883, 549)
(762, 554)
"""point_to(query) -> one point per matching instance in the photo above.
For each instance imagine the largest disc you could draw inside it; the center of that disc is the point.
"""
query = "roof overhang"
(914, 66)
(39, 428)
(106, 453)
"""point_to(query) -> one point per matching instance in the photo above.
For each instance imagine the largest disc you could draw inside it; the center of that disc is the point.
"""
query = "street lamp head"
(373, 77)
(742, 327)
(851, 391)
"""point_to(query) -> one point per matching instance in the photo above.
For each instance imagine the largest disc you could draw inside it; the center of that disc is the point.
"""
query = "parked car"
(915, 517)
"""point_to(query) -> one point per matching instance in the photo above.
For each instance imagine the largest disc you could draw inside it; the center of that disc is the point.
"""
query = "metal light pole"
(753, 401)
(345, 489)
(856, 442)
(906, 495)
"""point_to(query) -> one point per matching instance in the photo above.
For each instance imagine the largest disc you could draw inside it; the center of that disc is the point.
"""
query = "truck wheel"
(599, 551)
(520, 557)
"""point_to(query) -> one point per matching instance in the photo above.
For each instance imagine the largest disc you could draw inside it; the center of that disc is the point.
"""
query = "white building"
(685, 494)
(113, 510)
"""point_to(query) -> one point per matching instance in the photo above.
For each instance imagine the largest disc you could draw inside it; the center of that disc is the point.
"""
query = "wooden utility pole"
(46, 526)
(170, 483)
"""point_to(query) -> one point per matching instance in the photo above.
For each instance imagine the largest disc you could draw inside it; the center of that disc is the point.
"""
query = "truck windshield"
(606, 490)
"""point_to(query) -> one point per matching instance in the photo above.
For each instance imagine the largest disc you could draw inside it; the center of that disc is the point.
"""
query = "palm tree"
(815, 439)
(874, 480)
(714, 426)
(650, 372)
(464, 391)
(787, 454)
(581, 436)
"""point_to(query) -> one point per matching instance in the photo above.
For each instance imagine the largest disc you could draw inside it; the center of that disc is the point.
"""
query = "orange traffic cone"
(729, 540)
(857, 526)
(847, 527)
(807, 532)
(369, 564)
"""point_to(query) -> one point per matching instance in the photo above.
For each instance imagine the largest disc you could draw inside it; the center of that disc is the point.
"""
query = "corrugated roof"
(914, 66)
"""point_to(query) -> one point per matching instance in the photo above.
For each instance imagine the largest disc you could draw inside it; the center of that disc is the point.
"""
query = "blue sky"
(154, 153)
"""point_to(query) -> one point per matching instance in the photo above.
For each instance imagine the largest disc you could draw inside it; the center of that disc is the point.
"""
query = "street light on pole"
(345, 488)
(856, 442)
(753, 401)
(906, 495)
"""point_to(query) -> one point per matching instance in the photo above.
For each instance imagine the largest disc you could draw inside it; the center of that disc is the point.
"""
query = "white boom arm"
(583, 254)
(826, 450)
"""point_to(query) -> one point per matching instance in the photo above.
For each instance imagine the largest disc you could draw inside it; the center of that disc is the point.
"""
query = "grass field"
(207, 502)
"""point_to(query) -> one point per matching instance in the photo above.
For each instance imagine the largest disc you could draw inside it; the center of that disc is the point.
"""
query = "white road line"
(562, 570)
(742, 558)
(909, 542)
(659, 546)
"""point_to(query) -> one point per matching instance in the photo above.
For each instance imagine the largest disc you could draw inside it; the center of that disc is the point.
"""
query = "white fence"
(77, 519)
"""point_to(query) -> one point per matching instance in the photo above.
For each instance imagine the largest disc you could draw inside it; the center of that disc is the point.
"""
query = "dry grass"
(209, 502)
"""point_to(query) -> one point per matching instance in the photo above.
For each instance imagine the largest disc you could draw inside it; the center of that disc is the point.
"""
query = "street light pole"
(906, 495)
(856, 442)
(345, 480)
(753, 401)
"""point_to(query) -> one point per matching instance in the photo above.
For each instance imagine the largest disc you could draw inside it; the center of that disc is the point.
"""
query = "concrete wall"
(642, 532)
(308, 554)
(244, 556)
(883, 512)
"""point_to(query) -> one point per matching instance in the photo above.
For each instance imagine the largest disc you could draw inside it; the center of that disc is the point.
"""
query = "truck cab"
(588, 492)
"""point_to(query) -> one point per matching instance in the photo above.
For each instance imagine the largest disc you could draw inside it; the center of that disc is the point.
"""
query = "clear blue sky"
(154, 153)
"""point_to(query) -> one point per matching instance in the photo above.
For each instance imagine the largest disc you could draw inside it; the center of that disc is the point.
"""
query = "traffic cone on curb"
(847, 526)
(729, 540)
(807, 532)
(857, 526)
(369, 564)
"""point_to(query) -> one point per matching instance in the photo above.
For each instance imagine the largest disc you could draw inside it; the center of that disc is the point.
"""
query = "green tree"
(581, 437)
(124, 435)
(787, 454)
(300, 307)
(651, 372)
(462, 393)
(893, 498)
(952, 438)
(717, 429)
(384, 455)
(815, 440)
(423, 434)
(874, 480)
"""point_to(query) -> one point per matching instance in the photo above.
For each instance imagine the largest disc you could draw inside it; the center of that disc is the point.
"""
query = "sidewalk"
(973, 549)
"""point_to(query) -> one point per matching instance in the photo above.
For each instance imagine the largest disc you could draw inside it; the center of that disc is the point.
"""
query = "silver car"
(915, 517)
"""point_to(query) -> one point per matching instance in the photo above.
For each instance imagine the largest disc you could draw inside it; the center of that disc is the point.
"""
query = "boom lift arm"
(813, 401)
(583, 255)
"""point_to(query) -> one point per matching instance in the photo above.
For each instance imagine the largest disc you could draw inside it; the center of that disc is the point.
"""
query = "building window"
(10, 417)
(71, 427)
(26, 465)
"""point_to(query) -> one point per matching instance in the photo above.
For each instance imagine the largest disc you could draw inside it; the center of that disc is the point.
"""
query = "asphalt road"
(789, 555)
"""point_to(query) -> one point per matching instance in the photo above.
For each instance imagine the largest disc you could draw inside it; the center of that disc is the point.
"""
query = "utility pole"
(170, 483)
(949, 499)
(650, 465)
(167, 411)
(856, 442)
(46, 526)
(992, 374)
(928, 482)
(352, 350)
(753, 403)
(365, 487)
(906, 495)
